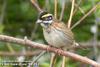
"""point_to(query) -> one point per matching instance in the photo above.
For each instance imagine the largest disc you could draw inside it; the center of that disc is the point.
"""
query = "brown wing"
(62, 27)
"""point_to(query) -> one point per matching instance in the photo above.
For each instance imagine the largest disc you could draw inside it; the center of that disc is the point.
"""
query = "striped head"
(45, 19)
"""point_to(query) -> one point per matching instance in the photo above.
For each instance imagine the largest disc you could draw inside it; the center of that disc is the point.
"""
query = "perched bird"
(56, 33)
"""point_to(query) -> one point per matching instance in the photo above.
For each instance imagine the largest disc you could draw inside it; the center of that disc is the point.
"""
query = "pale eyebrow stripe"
(46, 15)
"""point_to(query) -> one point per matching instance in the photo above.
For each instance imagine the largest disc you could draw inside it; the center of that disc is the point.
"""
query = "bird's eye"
(50, 17)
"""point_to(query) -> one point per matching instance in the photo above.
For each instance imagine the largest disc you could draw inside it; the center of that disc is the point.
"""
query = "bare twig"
(41, 54)
(10, 48)
(88, 13)
(27, 53)
(51, 49)
(80, 9)
(34, 2)
(62, 11)
(55, 8)
(71, 14)
(53, 60)
(63, 61)
(47, 5)
(34, 31)
(95, 37)
(3, 10)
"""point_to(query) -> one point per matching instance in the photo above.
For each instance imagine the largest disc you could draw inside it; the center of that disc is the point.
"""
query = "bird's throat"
(45, 25)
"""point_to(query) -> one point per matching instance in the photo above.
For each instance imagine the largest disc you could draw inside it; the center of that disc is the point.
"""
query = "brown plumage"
(58, 35)
(55, 32)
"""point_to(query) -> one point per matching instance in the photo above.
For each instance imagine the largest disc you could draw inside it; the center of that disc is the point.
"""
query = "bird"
(55, 32)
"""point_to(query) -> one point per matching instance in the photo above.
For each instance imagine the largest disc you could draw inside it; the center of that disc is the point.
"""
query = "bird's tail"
(77, 45)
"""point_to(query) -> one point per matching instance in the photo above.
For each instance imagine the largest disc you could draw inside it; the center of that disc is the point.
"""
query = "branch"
(48, 48)
(32, 53)
(88, 13)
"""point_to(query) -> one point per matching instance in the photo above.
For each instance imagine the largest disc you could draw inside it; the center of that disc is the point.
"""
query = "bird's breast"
(56, 38)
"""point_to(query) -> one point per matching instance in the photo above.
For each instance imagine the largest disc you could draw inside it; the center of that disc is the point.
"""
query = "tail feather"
(80, 46)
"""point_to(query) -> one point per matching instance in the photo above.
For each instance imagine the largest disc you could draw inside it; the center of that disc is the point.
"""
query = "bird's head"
(45, 19)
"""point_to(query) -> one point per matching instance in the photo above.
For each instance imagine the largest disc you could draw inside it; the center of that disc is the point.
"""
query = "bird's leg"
(53, 60)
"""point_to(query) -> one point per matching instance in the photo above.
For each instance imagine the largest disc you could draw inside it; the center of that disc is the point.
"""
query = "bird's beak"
(39, 21)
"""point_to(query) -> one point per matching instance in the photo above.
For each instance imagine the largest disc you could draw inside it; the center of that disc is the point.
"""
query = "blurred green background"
(18, 19)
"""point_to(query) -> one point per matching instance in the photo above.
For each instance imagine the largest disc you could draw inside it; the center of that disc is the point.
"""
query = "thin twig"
(34, 2)
(71, 14)
(88, 13)
(40, 55)
(53, 60)
(3, 11)
(64, 60)
(82, 11)
(55, 8)
(95, 37)
(77, 7)
(47, 5)
(9, 46)
(34, 31)
(51, 49)
(63, 8)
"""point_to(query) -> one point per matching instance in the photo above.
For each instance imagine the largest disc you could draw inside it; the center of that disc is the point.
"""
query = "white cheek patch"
(50, 21)
(45, 24)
